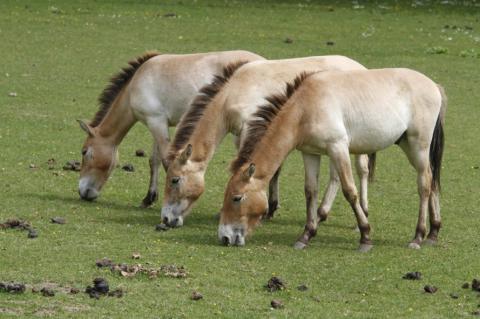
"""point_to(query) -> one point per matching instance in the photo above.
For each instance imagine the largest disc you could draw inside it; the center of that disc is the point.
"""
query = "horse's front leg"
(159, 130)
(340, 156)
(273, 194)
(312, 167)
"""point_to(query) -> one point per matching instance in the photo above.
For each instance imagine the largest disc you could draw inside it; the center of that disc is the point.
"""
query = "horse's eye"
(237, 198)
(175, 180)
(84, 151)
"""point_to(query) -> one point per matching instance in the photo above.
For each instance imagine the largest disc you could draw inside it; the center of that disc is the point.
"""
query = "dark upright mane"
(117, 82)
(261, 119)
(194, 114)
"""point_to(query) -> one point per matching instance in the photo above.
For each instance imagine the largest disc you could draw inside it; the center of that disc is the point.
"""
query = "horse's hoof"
(429, 242)
(322, 217)
(149, 199)
(414, 245)
(365, 248)
(299, 245)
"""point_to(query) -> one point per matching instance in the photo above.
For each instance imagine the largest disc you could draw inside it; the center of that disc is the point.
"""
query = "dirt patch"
(11, 311)
(76, 308)
(44, 312)
(126, 270)
(275, 283)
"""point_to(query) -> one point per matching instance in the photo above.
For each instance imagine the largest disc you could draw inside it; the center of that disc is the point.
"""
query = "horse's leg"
(419, 158)
(312, 167)
(361, 165)
(341, 158)
(330, 194)
(159, 130)
(273, 194)
(434, 214)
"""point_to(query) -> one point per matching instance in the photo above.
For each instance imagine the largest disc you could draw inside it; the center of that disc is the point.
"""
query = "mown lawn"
(57, 56)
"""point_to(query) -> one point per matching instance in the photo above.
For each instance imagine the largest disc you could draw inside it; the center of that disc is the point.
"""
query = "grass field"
(57, 56)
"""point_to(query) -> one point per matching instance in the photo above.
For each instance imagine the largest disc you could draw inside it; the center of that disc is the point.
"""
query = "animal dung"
(196, 296)
(276, 304)
(466, 285)
(58, 220)
(476, 285)
(274, 284)
(430, 289)
(161, 227)
(128, 168)
(72, 165)
(16, 288)
(288, 40)
(104, 262)
(47, 292)
(100, 287)
(32, 233)
(140, 153)
(330, 43)
(302, 287)
(415, 275)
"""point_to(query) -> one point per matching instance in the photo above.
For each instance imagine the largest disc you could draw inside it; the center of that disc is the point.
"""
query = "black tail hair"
(437, 144)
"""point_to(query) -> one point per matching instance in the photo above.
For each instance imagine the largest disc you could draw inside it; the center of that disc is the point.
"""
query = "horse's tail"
(437, 143)
(372, 161)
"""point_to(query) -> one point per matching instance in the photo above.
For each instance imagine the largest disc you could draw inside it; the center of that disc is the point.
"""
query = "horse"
(155, 90)
(336, 114)
(223, 107)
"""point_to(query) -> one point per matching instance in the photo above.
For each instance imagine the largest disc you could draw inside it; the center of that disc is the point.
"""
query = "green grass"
(57, 56)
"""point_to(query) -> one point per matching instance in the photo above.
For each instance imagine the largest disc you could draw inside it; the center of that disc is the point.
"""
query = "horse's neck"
(118, 120)
(209, 131)
(281, 138)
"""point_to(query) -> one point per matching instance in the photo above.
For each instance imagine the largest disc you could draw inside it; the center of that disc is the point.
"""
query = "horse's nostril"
(225, 240)
(165, 220)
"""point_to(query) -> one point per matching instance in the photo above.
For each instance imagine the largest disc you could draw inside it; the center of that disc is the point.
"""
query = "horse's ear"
(248, 173)
(87, 128)
(187, 152)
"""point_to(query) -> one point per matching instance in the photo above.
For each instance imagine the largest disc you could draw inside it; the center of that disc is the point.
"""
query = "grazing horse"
(338, 113)
(155, 90)
(223, 107)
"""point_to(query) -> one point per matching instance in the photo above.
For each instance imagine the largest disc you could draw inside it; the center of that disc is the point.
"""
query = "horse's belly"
(365, 140)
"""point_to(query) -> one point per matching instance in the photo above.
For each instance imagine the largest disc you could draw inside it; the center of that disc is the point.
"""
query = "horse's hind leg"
(330, 194)
(340, 156)
(419, 158)
(159, 130)
(434, 216)
(361, 165)
(312, 167)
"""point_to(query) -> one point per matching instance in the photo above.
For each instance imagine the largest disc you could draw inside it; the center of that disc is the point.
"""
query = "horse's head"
(244, 204)
(99, 157)
(183, 186)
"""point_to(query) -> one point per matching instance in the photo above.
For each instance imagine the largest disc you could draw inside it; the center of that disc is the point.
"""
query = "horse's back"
(371, 108)
(166, 84)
